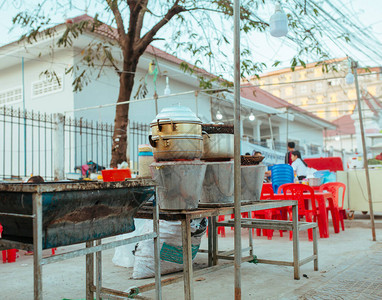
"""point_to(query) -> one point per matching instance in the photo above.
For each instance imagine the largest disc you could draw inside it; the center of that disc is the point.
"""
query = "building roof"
(256, 94)
(111, 32)
(345, 126)
(307, 66)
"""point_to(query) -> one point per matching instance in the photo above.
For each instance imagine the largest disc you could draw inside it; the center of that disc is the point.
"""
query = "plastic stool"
(9, 255)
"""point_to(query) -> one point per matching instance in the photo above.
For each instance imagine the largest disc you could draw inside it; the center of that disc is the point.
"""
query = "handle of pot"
(160, 126)
(204, 132)
(152, 142)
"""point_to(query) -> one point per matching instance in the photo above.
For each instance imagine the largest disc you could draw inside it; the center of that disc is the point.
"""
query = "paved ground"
(350, 267)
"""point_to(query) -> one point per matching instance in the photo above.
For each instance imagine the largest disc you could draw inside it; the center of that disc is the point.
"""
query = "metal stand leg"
(37, 245)
(214, 233)
(315, 248)
(296, 248)
(210, 234)
(98, 271)
(187, 260)
(89, 273)
(158, 284)
(250, 241)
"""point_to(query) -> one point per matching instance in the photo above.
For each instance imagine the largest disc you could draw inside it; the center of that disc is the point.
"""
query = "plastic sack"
(171, 250)
(124, 255)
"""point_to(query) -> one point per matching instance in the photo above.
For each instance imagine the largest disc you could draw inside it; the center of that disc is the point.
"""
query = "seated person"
(299, 166)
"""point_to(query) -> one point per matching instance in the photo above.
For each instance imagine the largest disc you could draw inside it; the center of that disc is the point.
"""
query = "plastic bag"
(171, 250)
(124, 255)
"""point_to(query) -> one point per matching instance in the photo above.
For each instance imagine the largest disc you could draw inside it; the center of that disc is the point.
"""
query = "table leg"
(187, 260)
(215, 247)
(89, 272)
(210, 230)
(98, 271)
(335, 216)
(315, 248)
(37, 245)
(323, 221)
(158, 283)
(296, 246)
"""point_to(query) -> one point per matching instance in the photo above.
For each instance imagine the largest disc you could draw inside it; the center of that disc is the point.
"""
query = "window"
(288, 77)
(303, 88)
(11, 95)
(276, 93)
(304, 101)
(321, 114)
(333, 98)
(320, 99)
(318, 86)
(47, 86)
(275, 80)
(289, 91)
(302, 75)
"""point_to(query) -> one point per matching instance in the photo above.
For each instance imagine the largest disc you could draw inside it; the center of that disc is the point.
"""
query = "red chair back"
(299, 192)
(334, 188)
(266, 191)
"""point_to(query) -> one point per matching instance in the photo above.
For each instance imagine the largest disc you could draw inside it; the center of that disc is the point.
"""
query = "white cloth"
(299, 167)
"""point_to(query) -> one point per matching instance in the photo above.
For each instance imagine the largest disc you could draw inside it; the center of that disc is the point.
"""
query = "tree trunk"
(126, 83)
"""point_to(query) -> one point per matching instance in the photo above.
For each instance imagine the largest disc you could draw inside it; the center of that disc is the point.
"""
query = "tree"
(196, 27)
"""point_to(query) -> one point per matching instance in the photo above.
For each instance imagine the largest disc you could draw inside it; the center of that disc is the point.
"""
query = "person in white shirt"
(299, 166)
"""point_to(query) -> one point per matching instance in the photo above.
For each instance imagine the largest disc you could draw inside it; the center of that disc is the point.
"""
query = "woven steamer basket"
(248, 160)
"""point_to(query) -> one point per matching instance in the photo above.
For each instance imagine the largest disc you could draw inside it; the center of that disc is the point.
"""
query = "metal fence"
(29, 143)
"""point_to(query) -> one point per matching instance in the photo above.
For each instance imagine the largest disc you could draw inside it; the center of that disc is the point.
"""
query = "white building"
(24, 85)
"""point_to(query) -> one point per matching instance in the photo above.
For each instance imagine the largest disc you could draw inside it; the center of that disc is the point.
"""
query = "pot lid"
(180, 114)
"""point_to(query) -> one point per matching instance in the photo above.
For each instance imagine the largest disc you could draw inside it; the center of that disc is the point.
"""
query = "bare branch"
(141, 15)
(113, 4)
(148, 37)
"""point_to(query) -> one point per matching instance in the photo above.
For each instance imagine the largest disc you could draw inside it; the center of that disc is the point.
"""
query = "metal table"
(36, 204)
(211, 213)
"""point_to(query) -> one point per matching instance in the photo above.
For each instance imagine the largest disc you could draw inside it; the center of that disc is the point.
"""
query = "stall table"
(211, 211)
(45, 215)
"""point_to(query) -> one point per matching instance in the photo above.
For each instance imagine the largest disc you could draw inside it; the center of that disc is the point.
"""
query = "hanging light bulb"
(219, 116)
(167, 90)
(349, 79)
(278, 22)
(252, 117)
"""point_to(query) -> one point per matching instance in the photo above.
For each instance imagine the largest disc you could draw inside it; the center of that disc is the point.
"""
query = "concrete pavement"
(350, 267)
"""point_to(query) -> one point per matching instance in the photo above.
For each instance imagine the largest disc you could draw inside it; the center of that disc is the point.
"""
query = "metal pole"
(354, 66)
(25, 124)
(237, 158)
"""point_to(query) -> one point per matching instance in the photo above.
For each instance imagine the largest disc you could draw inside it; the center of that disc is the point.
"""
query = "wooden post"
(187, 260)
(37, 245)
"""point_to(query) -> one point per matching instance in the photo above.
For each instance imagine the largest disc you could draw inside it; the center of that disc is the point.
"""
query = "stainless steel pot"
(174, 128)
(176, 147)
(218, 146)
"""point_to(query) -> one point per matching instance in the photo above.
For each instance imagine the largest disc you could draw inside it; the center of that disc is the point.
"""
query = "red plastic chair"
(338, 212)
(300, 192)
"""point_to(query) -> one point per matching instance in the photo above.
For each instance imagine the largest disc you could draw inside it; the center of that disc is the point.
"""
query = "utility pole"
(354, 66)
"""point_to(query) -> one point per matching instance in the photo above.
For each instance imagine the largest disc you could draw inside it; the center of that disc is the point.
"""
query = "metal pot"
(176, 133)
(176, 120)
(174, 128)
(179, 183)
(218, 184)
(218, 146)
(252, 178)
(176, 147)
